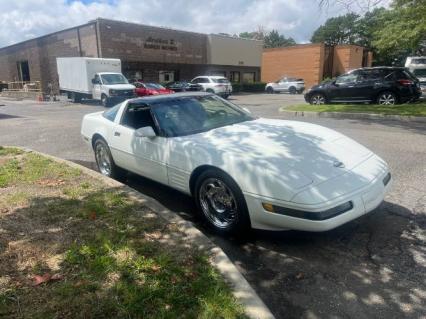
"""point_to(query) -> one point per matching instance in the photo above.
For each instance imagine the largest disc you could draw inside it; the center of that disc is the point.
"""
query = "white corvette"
(242, 171)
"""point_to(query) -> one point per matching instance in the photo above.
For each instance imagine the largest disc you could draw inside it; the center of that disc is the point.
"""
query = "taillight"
(405, 82)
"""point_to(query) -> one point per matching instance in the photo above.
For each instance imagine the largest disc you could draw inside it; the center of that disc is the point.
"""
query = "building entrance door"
(23, 71)
(166, 76)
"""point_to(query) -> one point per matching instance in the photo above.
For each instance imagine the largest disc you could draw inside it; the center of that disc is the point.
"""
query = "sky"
(25, 19)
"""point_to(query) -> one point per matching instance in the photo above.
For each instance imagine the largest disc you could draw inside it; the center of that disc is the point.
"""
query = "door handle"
(117, 133)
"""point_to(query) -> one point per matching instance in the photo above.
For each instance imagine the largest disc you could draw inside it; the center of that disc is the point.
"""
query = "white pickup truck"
(417, 66)
(93, 78)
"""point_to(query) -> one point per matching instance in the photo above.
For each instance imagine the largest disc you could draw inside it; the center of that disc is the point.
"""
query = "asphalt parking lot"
(374, 267)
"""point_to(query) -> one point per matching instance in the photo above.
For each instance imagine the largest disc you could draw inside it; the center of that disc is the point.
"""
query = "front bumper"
(113, 100)
(362, 201)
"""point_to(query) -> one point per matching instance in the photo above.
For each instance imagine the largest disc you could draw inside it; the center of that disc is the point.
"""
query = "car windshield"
(154, 86)
(221, 80)
(114, 78)
(420, 73)
(196, 114)
(418, 61)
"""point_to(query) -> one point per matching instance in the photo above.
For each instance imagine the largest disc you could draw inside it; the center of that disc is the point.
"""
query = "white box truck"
(94, 78)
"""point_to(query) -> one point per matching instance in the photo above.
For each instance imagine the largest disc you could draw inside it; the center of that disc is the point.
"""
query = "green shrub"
(248, 87)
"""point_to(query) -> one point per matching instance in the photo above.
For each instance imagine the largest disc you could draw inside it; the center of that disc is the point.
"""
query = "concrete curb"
(365, 116)
(243, 292)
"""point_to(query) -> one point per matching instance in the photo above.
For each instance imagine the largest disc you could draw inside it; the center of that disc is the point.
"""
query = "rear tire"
(76, 97)
(210, 91)
(270, 90)
(105, 162)
(292, 90)
(221, 204)
(387, 98)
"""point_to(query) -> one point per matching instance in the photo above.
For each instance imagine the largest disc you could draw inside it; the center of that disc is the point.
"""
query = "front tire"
(317, 99)
(104, 100)
(105, 162)
(387, 98)
(210, 91)
(270, 90)
(221, 203)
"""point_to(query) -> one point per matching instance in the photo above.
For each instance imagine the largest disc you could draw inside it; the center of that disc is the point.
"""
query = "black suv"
(381, 85)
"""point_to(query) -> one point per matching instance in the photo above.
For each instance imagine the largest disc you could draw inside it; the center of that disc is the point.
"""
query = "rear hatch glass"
(225, 81)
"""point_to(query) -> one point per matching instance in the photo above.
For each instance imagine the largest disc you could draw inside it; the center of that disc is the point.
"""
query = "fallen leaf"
(300, 276)
(38, 280)
(92, 215)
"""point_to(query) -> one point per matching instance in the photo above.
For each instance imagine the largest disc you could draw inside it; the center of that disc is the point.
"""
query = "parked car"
(290, 85)
(183, 86)
(144, 89)
(381, 85)
(417, 66)
(214, 84)
(241, 170)
(93, 78)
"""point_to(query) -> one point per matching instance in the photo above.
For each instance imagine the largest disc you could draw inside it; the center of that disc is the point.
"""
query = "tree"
(403, 30)
(338, 30)
(274, 40)
(259, 34)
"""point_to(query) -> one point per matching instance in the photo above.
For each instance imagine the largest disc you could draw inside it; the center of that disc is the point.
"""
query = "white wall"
(224, 50)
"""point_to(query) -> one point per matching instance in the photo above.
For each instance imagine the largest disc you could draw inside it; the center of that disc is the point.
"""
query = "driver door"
(97, 91)
(142, 155)
(344, 88)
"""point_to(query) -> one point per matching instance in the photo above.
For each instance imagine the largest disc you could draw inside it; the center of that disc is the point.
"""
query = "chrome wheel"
(318, 99)
(218, 203)
(387, 99)
(103, 159)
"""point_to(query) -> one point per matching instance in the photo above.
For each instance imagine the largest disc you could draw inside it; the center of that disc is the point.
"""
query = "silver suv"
(290, 85)
(214, 84)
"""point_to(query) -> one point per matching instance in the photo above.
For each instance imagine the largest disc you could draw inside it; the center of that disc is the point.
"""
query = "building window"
(249, 77)
(235, 76)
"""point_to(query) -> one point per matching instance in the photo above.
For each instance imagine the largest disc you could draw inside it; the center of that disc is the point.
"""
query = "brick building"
(312, 62)
(146, 52)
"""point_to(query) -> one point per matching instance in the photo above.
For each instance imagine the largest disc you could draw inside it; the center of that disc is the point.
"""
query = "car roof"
(211, 76)
(380, 68)
(166, 97)
(108, 73)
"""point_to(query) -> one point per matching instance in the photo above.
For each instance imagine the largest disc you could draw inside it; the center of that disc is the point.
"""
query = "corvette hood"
(308, 152)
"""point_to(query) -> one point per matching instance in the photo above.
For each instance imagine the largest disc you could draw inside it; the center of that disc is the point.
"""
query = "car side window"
(347, 78)
(370, 75)
(97, 79)
(112, 113)
(137, 116)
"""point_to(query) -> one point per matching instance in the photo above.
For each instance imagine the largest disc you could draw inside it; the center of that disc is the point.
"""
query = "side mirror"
(146, 131)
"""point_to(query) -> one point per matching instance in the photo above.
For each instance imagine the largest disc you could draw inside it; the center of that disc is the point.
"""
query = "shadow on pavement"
(369, 268)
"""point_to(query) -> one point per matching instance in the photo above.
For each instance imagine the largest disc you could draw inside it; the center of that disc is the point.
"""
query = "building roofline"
(293, 47)
(92, 22)
(150, 26)
(234, 38)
